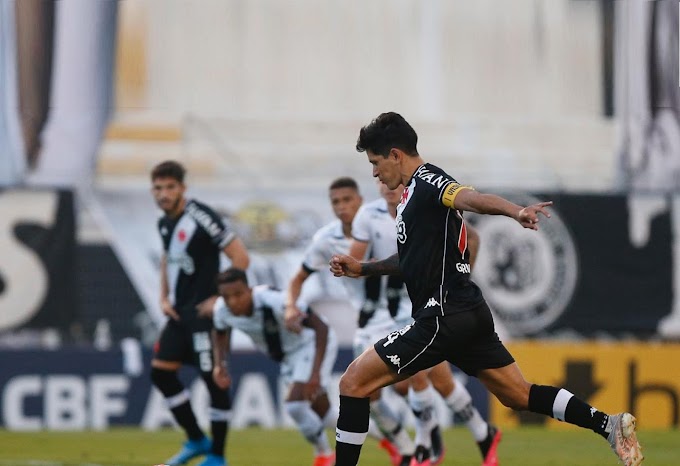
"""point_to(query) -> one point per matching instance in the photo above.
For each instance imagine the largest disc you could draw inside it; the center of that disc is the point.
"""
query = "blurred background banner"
(84, 388)
(56, 67)
(38, 268)
(649, 95)
(609, 376)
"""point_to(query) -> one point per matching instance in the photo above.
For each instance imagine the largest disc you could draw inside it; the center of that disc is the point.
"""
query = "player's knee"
(166, 381)
(297, 408)
(349, 385)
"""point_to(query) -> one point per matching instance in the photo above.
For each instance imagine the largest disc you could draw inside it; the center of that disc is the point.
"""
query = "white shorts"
(365, 337)
(297, 365)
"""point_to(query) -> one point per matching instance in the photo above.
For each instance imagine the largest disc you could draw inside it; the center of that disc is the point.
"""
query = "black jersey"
(192, 244)
(432, 241)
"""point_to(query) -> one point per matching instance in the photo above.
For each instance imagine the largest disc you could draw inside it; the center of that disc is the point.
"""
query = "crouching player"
(306, 358)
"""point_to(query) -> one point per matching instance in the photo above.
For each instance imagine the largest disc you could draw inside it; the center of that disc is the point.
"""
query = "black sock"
(184, 416)
(582, 414)
(351, 430)
(562, 405)
(177, 399)
(219, 431)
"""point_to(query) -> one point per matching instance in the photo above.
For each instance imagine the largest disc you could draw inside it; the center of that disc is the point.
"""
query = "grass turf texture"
(256, 447)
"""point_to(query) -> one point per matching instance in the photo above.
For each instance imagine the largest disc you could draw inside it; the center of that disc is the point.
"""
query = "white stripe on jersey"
(176, 256)
(441, 285)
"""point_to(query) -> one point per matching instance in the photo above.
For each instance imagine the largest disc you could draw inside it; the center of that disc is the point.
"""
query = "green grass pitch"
(257, 447)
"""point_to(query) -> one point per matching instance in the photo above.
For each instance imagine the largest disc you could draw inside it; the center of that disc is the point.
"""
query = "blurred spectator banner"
(602, 265)
(648, 101)
(82, 388)
(37, 269)
(613, 377)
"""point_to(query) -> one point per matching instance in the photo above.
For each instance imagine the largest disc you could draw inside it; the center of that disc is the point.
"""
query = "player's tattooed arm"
(389, 266)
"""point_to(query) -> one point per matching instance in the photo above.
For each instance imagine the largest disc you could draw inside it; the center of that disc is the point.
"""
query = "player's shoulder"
(432, 175)
(195, 207)
(221, 311)
(204, 216)
(378, 206)
(332, 229)
(265, 295)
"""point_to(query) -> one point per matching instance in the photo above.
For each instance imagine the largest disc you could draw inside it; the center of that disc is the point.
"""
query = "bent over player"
(306, 358)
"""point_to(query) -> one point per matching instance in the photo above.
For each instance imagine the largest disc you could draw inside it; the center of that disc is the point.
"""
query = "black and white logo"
(528, 277)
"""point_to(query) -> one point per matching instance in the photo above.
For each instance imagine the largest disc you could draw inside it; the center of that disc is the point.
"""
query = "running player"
(374, 230)
(452, 321)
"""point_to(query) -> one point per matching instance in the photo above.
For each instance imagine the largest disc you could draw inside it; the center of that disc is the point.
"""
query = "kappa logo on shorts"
(394, 359)
(394, 335)
(431, 303)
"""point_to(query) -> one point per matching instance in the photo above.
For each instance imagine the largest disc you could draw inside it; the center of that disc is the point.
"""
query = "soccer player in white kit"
(374, 232)
(306, 358)
(335, 238)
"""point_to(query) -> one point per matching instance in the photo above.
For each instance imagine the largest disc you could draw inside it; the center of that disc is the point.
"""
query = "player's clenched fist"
(345, 266)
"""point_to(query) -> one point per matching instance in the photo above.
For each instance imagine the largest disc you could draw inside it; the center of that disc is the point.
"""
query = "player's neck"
(392, 209)
(409, 165)
(177, 211)
(347, 230)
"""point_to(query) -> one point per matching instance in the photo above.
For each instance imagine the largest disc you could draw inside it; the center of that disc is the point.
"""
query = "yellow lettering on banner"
(640, 378)
(450, 193)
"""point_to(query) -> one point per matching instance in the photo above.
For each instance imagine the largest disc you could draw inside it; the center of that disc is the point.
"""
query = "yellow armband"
(450, 192)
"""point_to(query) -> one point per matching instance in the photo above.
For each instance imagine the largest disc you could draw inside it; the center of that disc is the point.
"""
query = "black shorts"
(188, 342)
(467, 339)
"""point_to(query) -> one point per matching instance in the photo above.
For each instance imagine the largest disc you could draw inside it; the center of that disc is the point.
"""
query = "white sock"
(310, 425)
(460, 402)
(330, 420)
(390, 424)
(373, 430)
(422, 405)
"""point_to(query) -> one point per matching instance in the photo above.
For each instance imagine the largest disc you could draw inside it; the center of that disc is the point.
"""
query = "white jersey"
(326, 242)
(373, 224)
(253, 325)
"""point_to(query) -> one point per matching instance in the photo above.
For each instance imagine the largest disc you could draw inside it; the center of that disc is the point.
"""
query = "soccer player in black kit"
(452, 321)
(193, 237)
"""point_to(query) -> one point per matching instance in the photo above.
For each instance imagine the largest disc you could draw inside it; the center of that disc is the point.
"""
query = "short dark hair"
(344, 182)
(169, 169)
(390, 130)
(231, 275)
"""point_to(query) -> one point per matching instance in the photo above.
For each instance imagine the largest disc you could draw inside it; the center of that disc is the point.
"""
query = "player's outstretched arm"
(491, 204)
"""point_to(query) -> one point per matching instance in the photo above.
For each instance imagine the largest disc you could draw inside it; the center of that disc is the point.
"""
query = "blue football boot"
(190, 450)
(213, 460)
